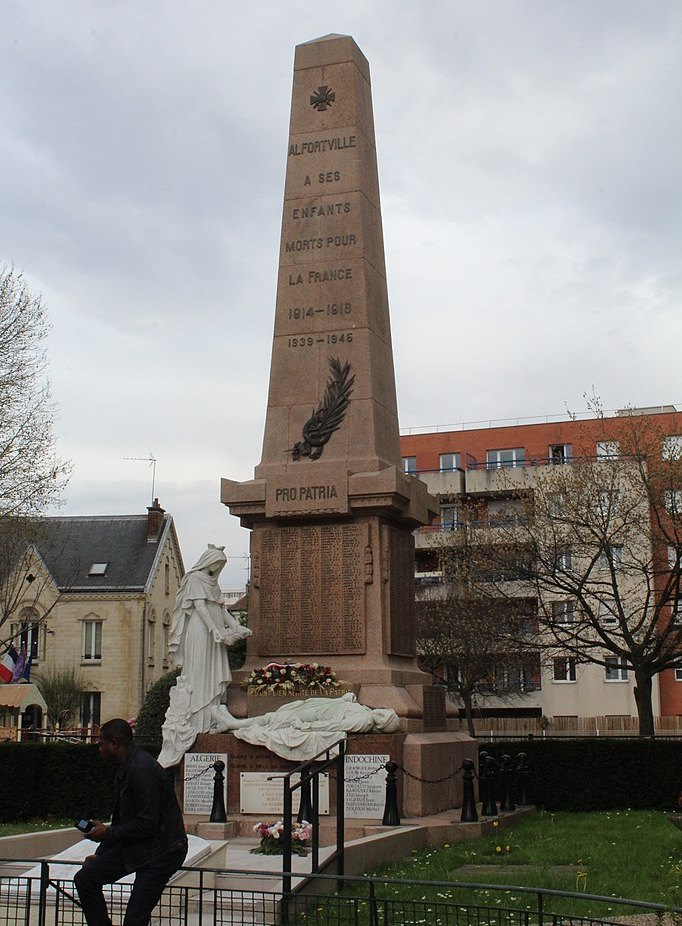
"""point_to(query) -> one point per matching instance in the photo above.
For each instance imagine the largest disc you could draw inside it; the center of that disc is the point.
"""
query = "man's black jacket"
(146, 821)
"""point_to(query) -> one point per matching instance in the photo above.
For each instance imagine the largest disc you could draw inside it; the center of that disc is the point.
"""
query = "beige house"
(98, 593)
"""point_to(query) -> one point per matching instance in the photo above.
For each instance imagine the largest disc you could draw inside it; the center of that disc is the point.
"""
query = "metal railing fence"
(236, 897)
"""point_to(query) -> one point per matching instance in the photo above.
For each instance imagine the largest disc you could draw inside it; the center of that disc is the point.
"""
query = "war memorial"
(330, 511)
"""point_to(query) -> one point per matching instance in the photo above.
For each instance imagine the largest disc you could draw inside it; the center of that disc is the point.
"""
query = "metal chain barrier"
(199, 774)
(430, 781)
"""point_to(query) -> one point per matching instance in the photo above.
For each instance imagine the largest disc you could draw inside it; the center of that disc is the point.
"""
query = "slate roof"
(70, 545)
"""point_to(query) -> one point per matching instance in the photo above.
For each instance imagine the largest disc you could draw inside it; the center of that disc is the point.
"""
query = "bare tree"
(62, 688)
(32, 476)
(603, 543)
(473, 638)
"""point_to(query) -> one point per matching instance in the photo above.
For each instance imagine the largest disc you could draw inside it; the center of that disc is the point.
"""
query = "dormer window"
(98, 569)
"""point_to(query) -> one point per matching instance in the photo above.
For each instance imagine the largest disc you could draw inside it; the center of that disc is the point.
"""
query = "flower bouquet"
(290, 677)
(271, 838)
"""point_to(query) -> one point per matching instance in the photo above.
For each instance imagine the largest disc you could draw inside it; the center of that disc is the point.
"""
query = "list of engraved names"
(312, 590)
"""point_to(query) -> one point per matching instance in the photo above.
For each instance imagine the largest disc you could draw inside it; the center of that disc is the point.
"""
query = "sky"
(529, 162)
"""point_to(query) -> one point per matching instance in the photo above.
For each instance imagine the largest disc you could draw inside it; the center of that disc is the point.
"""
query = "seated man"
(146, 835)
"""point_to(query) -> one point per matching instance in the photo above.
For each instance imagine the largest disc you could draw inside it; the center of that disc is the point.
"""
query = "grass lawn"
(32, 826)
(628, 854)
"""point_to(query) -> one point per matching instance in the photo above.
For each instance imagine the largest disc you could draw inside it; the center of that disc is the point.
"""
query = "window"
(608, 613)
(91, 708)
(92, 640)
(563, 612)
(449, 517)
(560, 453)
(556, 504)
(615, 669)
(505, 512)
(676, 611)
(564, 558)
(530, 676)
(612, 554)
(673, 554)
(98, 569)
(607, 502)
(608, 449)
(409, 464)
(496, 459)
(166, 638)
(26, 634)
(564, 669)
(672, 500)
(151, 637)
(672, 447)
(166, 579)
(678, 675)
(449, 461)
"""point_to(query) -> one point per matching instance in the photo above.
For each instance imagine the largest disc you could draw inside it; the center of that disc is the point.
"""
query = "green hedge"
(599, 774)
(53, 779)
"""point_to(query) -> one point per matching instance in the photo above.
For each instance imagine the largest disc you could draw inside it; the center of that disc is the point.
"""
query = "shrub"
(153, 710)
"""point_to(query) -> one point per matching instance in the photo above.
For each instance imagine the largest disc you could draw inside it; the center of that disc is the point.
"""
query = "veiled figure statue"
(201, 632)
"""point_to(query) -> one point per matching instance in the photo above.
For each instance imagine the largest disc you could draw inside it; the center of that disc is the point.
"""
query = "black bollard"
(507, 784)
(482, 781)
(305, 809)
(522, 776)
(218, 814)
(391, 814)
(489, 808)
(469, 814)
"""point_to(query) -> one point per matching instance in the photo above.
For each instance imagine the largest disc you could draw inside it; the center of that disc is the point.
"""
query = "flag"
(7, 665)
(19, 665)
(27, 669)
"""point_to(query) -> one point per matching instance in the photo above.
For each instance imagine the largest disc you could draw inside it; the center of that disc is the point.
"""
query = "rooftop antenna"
(151, 459)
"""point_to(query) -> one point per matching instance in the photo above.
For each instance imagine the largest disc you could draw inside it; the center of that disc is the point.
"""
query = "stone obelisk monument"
(331, 512)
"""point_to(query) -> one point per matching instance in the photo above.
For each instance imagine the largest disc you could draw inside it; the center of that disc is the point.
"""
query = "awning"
(21, 696)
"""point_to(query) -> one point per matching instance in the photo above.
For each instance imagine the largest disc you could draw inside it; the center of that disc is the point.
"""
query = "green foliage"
(600, 774)
(620, 854)
(53, 779)
(153, 710)
(237, 654)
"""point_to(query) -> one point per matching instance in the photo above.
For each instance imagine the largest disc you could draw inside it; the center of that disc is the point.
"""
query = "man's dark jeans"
(150, 880)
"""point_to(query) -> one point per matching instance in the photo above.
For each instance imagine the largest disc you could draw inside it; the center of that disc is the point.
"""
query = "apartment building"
(488, 479)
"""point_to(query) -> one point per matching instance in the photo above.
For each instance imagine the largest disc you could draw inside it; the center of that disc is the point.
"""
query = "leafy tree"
(62, 688)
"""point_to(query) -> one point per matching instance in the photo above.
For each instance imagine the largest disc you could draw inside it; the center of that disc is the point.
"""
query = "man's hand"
(98, 831)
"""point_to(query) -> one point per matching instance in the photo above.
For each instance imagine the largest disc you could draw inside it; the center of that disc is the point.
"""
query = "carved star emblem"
(322, 99)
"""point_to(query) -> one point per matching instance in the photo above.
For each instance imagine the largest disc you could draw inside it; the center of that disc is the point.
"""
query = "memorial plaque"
(312, 590)
(364, 786)
(198, 781)
(401, 558)
(263, 793)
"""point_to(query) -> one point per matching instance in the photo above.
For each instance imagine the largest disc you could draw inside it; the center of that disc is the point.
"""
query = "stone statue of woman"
(201, 632)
